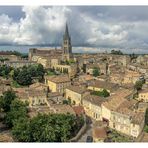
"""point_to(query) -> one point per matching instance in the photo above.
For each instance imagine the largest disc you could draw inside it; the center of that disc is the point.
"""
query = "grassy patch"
(50, 73)
(103, 93)
(15, 84)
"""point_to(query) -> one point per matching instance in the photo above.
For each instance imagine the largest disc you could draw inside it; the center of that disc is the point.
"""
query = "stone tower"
(66, 46)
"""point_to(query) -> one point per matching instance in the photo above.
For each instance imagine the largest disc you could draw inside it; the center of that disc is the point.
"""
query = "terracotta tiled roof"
(53, 94)
(58, 79)
(143, 91)
(63, 109)
(138, 117)
(99, 133)
(104, 84)
(78, 110)
(77, 89)
(33, 93)
(114, 101)
(96, 100)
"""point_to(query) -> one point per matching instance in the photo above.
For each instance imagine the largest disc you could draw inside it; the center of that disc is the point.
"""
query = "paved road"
(140, 137)
(87, 133)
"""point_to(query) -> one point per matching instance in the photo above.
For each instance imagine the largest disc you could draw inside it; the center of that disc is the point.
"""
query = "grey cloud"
(93, 26)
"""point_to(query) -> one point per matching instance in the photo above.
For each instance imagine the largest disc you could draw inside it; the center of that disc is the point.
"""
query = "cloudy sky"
(123, 27)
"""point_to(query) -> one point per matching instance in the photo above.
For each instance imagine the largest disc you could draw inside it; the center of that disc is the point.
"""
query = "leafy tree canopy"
(117, 52)
(103, 93)
(138, 85)
(6, 99)
(18, 109)
(96, 72)
(46, 128)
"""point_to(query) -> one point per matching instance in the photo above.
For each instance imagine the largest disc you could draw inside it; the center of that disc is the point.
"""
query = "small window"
(114, 125)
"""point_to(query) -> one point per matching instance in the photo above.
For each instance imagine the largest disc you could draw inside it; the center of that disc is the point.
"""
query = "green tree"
(117, 52)
(18, 109)
(20, 130)
(6, 100)
(65, 101)
(46, 128)
(40, 71)
(24, 77)
(5, 70)
(96, 72)
(146, 128)
(103, 93)
(138, 85)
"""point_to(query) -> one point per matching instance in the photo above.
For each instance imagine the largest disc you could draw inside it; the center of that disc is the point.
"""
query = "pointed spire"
(66, 35)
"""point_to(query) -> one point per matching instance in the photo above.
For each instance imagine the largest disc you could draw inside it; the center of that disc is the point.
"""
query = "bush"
(96, 72)
(6, 99)
(103, 93)
(18, 109)
(138, 85)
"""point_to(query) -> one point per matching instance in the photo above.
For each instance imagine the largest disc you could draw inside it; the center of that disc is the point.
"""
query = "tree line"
(25, 75)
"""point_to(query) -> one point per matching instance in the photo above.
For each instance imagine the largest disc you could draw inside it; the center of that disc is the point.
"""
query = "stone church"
(63, 54)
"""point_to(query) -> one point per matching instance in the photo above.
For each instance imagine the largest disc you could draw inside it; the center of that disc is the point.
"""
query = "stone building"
(71, 70)
(76, 94)
(122, 114)
(143, 95)
(92, 106)
(97, 85)
(58, 83)
(56, 97)
(66, 46)
(37, 97)
(18, 64)
(45, 55)
(8, 55)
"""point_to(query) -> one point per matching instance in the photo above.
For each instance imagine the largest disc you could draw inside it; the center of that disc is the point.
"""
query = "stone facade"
(76, 94)
(18, 64)
(57, 83)
(143, 95)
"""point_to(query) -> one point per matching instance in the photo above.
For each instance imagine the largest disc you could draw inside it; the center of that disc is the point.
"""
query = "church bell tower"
(66, 46)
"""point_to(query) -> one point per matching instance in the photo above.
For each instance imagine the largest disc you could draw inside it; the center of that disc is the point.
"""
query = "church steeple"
(67, 48)
(66, 35)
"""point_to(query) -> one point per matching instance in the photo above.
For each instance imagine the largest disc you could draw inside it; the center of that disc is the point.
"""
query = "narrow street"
(87, 133)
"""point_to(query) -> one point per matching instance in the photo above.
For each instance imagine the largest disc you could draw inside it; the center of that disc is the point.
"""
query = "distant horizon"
(81, 50)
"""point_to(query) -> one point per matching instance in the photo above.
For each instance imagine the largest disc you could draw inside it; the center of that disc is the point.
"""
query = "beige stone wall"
(94, 111)
(58, 87)
(44, 62)
(106, 113)
(75, 97)
(129, 79)
(37, 100)
(136, 129)
(143, 97)
(72, 70)
(96, 88)
(123, 124)
(120, 123)
(52, 86)
(62, 86)
(54, 62)
(11, 57)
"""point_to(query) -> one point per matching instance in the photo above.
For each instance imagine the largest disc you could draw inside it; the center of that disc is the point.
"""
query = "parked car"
(89, 139)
